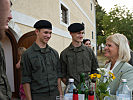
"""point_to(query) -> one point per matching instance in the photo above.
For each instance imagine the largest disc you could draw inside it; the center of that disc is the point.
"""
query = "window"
(64, 14)
(92, 35)
(91, 6)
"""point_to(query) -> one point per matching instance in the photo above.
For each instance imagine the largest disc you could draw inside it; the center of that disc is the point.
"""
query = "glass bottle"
(75, 94)
(82, 87)
(123, 92)
(92, 88)
(91, 95)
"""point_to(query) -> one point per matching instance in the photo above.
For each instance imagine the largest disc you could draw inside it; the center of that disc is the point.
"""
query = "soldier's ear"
(71, 33)
(37, 31)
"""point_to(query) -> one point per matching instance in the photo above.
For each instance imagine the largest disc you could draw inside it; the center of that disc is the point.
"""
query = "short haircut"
(85, 40)
(121, 42)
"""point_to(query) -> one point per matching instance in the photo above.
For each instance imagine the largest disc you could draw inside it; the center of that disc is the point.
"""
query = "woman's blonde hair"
(121, 42)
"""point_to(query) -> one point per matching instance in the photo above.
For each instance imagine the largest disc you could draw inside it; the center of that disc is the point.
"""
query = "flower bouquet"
(103, 79)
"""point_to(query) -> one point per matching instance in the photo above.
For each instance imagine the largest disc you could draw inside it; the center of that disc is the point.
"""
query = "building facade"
(61, 13)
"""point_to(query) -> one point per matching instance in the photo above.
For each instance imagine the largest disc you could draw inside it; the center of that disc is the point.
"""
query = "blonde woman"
(20, 52)
(21, 90)
(118, 52)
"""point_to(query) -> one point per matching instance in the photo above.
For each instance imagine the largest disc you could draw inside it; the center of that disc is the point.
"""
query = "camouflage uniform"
(41, 69)
(76, 60)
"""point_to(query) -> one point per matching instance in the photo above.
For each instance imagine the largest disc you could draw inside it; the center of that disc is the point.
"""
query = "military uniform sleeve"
(63, 65)
(94, 63)
(25, 68)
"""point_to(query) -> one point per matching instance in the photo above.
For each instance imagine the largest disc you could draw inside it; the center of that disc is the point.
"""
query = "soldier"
(77, 58)
(41, 70)
(5, 17)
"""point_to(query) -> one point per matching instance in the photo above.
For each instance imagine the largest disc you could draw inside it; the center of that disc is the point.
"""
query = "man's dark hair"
(85, 40)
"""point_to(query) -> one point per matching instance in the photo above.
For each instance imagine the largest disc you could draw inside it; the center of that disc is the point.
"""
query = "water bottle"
(68, 93)
(123, 92)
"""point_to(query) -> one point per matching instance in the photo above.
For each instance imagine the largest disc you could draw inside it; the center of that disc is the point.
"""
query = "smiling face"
(77, 36)
(111, 50)
(43, 35)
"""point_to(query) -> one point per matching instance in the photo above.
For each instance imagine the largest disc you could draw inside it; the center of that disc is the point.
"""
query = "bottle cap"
(71, 80)
(91, 92)
(75, 91)
(124, 80)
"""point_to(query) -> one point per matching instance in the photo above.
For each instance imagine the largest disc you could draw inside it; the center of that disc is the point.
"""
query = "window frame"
(92, 34)
(67, 14)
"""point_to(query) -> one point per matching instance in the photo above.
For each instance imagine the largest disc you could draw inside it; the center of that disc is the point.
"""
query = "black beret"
(76, 27)
(43, 24)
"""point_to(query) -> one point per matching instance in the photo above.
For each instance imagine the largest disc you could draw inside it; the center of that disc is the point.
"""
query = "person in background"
(5, 17)
(87, 42)
(41, 70)
(131, 53)
(118, 52)
(21, 50)
(77, 58)
(131, 59)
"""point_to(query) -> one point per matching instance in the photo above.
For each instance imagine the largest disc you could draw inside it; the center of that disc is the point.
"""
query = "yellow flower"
(92, 76)
(112, 75)
(98, 76)
(95, 75)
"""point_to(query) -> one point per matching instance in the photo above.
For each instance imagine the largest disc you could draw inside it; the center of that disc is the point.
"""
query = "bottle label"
(81, 96)
(68, 96)
(123, 97)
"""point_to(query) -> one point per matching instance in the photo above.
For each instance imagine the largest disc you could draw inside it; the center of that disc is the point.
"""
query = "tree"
(100, 12)
(118, 20)
(99, 17)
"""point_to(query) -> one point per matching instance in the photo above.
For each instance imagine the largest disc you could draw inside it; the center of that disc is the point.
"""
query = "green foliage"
(99, 17)
(118, 20)
(102, 84)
